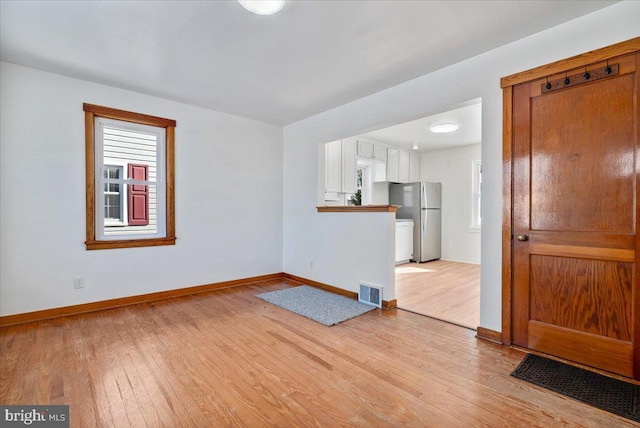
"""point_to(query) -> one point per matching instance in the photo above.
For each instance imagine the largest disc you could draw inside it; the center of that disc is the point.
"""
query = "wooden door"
(575, 216)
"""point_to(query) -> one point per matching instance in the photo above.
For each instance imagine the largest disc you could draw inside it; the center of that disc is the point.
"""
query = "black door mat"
(612, 395)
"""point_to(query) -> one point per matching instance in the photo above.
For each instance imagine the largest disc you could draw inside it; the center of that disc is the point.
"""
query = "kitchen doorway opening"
(447, 288)
(369, 168)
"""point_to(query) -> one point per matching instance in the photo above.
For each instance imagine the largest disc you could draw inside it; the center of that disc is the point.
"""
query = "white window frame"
(365, 188)
(160, 183)
(115, 163)
(475, 223)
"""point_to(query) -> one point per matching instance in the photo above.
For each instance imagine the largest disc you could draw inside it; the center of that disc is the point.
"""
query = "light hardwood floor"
(449, 291)
(226, 358)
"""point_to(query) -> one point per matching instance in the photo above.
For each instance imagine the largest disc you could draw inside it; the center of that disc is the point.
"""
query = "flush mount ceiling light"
(442, 128)
(262, 7)
(415, 146)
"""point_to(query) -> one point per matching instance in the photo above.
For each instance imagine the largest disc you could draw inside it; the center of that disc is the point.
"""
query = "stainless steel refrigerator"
(420, 202)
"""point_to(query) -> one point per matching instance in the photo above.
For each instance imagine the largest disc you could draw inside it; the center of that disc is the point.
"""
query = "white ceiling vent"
(370, 294)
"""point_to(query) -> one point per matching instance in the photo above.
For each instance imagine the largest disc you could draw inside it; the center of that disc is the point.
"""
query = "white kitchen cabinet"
(380, 152)
(372, 150)
(414, 167)
(393, 165)
(333, 166)
(349, 163)
(365, 149)
(403, 167)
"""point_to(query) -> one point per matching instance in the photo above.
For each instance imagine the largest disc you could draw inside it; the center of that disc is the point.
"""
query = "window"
(138, 149)
(476, 195)
(129, 179)
(360, 197)
(113, 197)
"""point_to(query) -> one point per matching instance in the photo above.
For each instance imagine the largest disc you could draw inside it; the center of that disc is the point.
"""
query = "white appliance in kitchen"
(420, 202)
(404, 240)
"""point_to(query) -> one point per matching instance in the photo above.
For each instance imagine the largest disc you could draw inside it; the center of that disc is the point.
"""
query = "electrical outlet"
(78, 282)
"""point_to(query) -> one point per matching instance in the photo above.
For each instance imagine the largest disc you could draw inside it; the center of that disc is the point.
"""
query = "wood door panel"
(583, 170)
(590, 296)
(596, 253)
(592, 239)
(602, 352)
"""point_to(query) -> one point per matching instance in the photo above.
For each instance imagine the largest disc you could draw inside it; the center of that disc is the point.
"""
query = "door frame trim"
(578, 61)
(506, 83)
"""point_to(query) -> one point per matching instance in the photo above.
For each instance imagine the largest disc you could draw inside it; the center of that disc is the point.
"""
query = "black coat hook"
(566, 78)
(608, 69)
(586, 74)
(548, 85)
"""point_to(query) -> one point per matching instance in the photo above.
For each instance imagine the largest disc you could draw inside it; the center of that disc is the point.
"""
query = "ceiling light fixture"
(415, 146)
(444, 127)
(262, 7)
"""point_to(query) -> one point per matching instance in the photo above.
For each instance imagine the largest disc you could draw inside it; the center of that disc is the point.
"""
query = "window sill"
(359, 209)
(129, 243)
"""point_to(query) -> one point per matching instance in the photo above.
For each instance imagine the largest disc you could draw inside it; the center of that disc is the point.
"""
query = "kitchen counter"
(358, 209)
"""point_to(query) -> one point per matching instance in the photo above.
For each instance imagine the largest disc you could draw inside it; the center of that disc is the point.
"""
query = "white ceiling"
(405, 135)
(311, 57)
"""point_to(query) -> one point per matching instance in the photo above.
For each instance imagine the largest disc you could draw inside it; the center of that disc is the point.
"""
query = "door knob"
(523, 238)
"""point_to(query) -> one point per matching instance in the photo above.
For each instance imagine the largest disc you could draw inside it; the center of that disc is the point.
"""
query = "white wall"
(336, 243)
(452, 168)
(228, 197)
(305, 230)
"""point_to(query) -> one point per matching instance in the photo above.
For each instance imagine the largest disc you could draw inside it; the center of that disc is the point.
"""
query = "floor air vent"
(370, 294)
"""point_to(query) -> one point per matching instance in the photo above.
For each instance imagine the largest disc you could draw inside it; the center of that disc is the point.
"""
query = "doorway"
(449, 288)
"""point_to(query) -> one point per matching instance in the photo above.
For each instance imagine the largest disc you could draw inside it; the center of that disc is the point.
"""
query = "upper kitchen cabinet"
(398, 166)
(393, 164)
(372, 150)
(333, 167)
(414, 167)
(349, 165)
(340, 166)
(380, 152)
(365, 149)
(403, 167)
